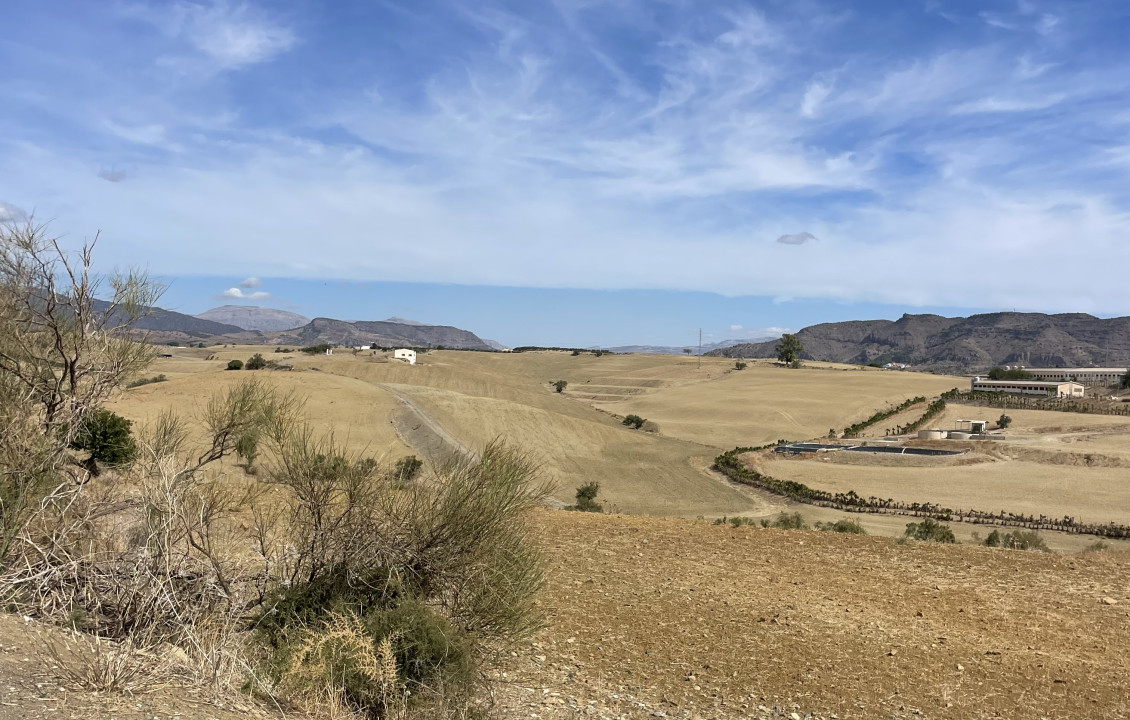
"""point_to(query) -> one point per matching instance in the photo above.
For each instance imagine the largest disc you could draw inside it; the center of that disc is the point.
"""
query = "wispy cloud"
(11, 213)
(460, 144)
(251, 282)
(229, 34)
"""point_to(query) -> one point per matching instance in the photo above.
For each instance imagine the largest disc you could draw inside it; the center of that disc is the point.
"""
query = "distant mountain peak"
(251, 317)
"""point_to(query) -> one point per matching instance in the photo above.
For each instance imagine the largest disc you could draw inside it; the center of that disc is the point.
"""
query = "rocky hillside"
(175, 325)
(385, 333)
(249, 317)
(963, 344)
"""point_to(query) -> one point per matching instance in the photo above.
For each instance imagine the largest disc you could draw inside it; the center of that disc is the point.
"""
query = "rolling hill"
(963, 344)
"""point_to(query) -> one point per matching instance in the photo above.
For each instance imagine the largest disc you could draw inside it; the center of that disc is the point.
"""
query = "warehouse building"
(1045, 388)
(1087, 376)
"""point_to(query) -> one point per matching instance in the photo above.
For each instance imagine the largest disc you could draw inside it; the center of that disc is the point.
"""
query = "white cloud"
(237, 294)
(11, 213)
(231, 35)
(735, 328)
(816, 93)
(251, 282)
(677, 181)
(1006, 105)
(796, 238)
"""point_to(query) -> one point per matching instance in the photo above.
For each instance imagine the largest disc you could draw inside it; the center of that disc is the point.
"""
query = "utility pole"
(700, 348)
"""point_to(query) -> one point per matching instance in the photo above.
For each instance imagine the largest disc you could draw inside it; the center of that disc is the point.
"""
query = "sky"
(582, 172)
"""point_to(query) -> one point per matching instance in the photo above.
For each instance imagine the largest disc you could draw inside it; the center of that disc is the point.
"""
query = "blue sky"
(583, 172)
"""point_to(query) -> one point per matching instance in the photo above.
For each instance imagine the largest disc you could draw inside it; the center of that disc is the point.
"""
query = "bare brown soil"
(689, 619)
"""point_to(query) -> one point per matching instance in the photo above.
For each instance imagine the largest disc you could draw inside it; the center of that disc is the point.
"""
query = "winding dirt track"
(423, 433)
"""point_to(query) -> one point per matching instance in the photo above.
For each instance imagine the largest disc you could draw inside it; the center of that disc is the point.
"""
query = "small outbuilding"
(405, 355)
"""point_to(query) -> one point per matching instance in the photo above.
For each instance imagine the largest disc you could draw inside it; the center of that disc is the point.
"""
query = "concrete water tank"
(931, 434)
(959, 435)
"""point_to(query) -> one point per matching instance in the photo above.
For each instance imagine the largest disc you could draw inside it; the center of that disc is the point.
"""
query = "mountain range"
(962, 344)
(162, 326)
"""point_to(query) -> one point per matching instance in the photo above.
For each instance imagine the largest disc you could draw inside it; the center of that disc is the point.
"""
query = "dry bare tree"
(63, 352)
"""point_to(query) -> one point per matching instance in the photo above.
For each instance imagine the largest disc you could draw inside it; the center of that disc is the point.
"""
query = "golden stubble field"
(576, 436)
(701, 408)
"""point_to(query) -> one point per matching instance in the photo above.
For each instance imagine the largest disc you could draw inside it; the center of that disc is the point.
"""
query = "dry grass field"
(576, 436)
(764, 403)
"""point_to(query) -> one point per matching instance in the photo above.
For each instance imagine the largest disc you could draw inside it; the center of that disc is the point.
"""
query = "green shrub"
(1024, 540)
(560, 385)
(930, 530)
(407, 468)
(634, 421)
(107, 437)
(844, 525)
(317, 349)
(786, 521)
(1004, 421)
(256, 362)
(1097, 546)
(994, 539)
(395, 594)
(586, 498)
(739, 365)
(235, 365)
(247, 448)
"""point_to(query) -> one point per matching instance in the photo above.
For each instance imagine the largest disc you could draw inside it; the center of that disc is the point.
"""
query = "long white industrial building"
(1087, 376)
(1046, 388)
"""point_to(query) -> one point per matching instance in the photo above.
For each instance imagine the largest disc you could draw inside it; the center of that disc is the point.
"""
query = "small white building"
(362, 347)
(408, 356)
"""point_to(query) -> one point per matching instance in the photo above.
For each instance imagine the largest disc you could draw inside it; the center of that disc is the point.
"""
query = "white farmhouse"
(408, 356)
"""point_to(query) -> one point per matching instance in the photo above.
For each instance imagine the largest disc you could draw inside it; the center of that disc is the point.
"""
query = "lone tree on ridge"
(789, 350)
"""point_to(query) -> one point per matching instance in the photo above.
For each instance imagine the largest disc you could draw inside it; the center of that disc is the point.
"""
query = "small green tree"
(789, 350)
(994, 539)
(686, 351)
(930, 530)
(560, 385)
(256, 362)
(597, 353)
(407, 468)
(739, 365)
(235, 365)
(586, 498)
(107, 437)
(634, 421)
(1004, 421)
(1125, 382)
